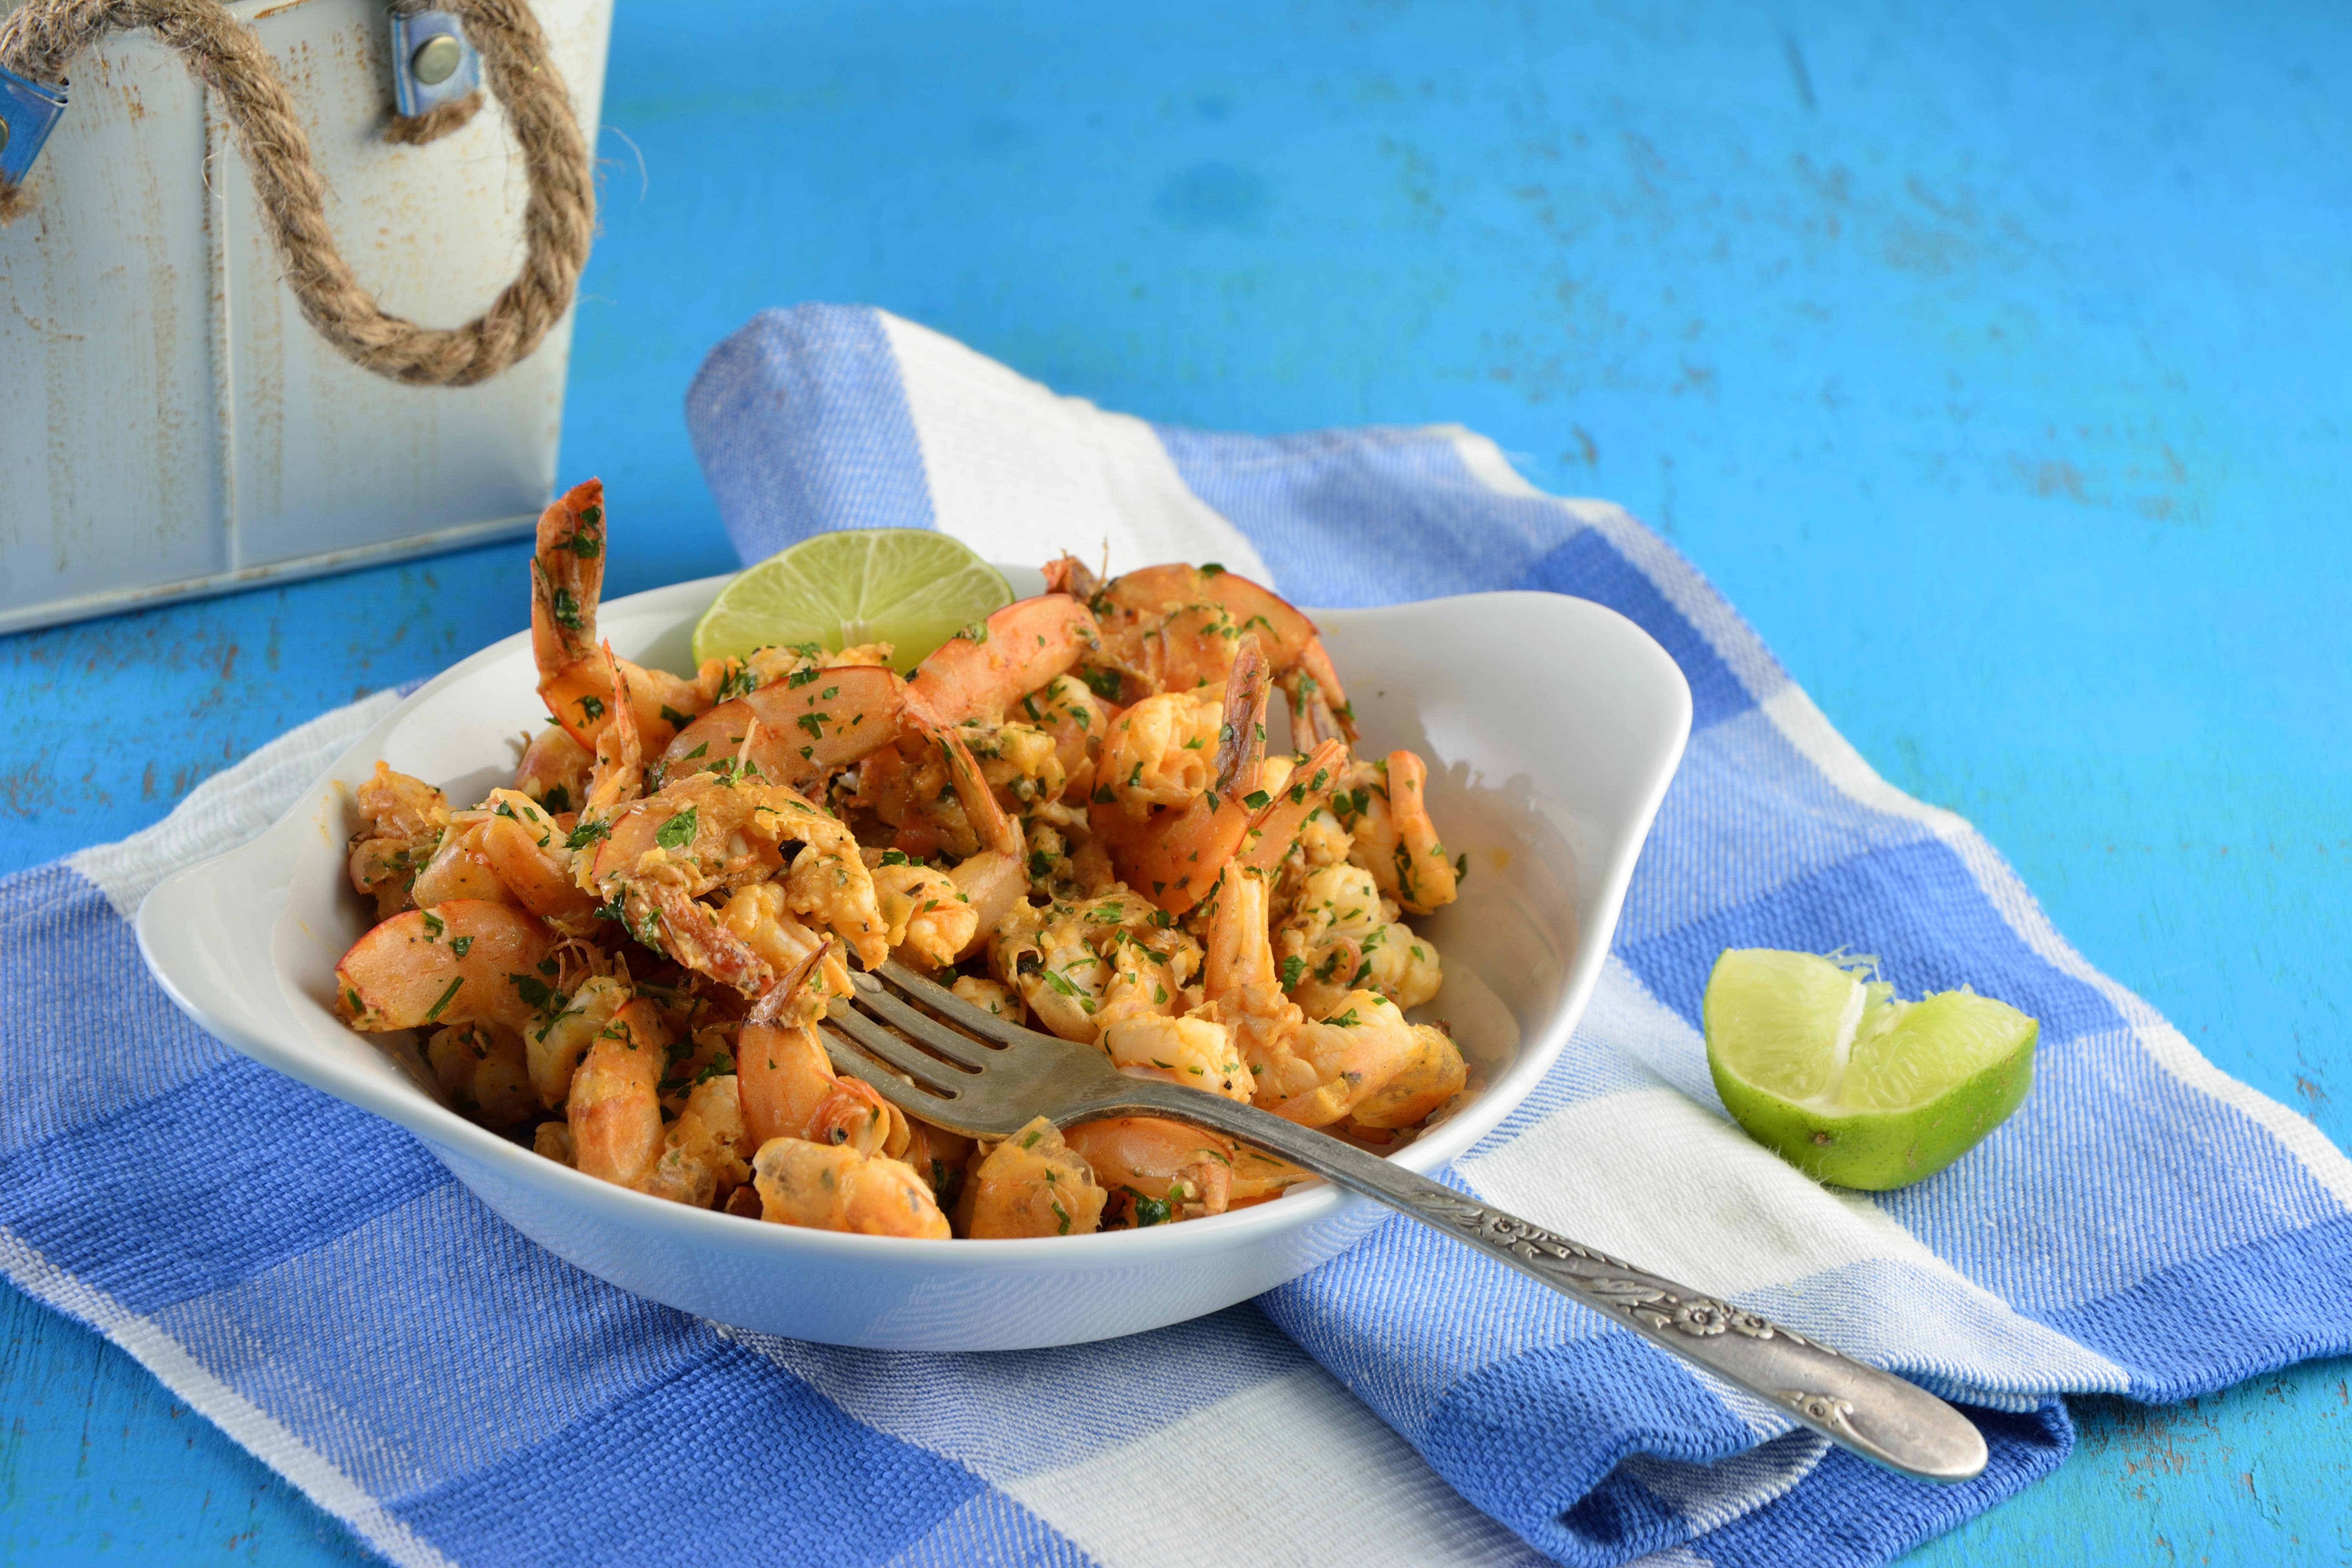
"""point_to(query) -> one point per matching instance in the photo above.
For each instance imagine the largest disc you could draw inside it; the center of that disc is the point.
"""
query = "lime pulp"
(1839, 1078)
(910, 588)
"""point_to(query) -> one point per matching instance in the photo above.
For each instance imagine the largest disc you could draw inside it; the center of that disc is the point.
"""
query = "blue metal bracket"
(416, 54)
(29, 112)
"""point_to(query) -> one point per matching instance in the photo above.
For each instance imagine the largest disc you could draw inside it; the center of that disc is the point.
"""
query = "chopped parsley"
(535, 992)
(460, 945)
(434, 1010)
(591, 709)
(678, 831)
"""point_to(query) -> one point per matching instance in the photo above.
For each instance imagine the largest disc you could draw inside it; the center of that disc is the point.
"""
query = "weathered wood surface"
(1991, 359)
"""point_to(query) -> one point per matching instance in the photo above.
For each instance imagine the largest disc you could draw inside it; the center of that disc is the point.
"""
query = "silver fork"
(986, 1078)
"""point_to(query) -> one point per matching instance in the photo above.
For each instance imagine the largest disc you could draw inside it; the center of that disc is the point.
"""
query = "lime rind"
(913, 588)
(1850, 1084)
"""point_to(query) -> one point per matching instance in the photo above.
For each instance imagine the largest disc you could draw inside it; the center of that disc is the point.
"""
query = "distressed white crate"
(170, 424)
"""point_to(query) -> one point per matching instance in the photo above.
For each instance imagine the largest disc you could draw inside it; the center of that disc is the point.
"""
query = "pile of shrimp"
(1067, 813)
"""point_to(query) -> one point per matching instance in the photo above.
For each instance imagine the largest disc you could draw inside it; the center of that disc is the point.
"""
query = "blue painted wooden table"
(1989, 358)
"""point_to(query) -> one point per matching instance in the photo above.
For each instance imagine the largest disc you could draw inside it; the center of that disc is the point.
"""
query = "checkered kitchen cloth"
(309, 1278)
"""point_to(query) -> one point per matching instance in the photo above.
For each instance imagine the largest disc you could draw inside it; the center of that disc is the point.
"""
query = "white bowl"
(1551, 726)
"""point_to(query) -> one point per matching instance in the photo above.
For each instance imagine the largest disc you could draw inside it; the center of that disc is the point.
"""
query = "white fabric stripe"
(1741, 1219)
(1810, 731)
(1293, 1470)
(229, 808)
(1672, 1557)
(1020, 473)
(247, 1423)
(1711, 1496)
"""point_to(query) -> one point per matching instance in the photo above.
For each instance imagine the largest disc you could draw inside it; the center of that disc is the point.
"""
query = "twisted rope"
(40, 40)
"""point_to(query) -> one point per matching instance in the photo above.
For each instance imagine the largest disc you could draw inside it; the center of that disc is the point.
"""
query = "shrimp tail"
(567, 577)
(784, 1002)
(1241, 742)
(996, 831)
(1068, 575)
(619, 775)
(691, 934)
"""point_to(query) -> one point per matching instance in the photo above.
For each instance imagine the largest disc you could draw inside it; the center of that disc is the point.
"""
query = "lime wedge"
(1830, 1072)
(909, 587)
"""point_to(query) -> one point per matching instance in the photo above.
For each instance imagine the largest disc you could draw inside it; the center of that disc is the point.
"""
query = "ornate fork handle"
(1877, 1414)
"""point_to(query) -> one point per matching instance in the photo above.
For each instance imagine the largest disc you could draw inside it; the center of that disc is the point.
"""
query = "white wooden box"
(170, 424)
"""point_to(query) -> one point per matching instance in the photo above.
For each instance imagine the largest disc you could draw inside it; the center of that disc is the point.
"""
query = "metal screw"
(436, 59)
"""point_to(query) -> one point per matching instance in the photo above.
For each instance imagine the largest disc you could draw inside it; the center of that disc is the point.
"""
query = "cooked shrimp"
(460, 868)
(1070, 715)
(567, 578)
(1145, 879)
(1078, 967)
(481, 1066)
(1298, 800)
(1331, 1066)
(1032, 1184)
(758, 917)
(797, 730)
(982, 670)
(619, 773)
(1341, 934)
(702, 1153)
(1196, 1052)
(707, 832)
(468, 960)
(827, 1186)
(1174, 627)
(1172, 1171)
(526, 851)
(1435, 1074)
(928, 919)
(786, 1082)
(554, 768)
(992, 996)
(554, 1045)
(615, 1108)
(402, 821)
(1177, 853)
(1163, 749)
(1395, 840)
(1243, 986)
(1167, 1170)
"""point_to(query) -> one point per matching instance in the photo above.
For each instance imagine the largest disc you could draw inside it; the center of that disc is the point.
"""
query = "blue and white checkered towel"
(310, 1280)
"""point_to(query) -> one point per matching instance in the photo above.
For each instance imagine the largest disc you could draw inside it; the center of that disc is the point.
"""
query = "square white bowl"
(1551, 726)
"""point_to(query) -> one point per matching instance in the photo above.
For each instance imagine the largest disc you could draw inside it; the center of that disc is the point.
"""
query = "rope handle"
(41, 38)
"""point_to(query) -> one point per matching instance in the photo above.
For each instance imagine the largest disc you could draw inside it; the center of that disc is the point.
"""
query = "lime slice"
(909, 587)
(1830, 1072)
